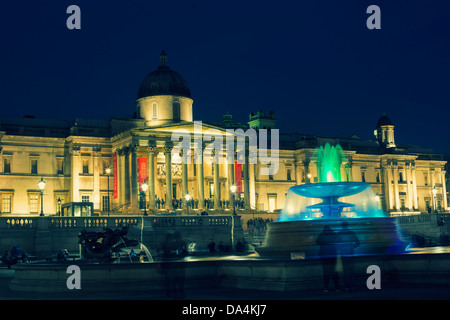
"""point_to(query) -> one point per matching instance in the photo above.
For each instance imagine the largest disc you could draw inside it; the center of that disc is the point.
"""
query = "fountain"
(330, 203)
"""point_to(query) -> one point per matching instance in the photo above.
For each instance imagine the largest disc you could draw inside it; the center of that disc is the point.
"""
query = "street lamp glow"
(233, 189)
(188, 198)
(108, 171)
(144, 187)
(41, 185)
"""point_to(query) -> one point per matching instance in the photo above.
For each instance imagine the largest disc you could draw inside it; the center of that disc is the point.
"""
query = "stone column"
(96, 188)
(306, 170)
(409, 186)
(432, 176)
(350, 168)
(414, 187)
(216, 180)
(388, 189)
(75, 171)
(298, 172)
(184, 175)
(200, 177)
(151, 177)
(396, 193)
(433, 184)
(134, 179)
(168, 155)
(230, 179)
(444, 190)
(121, 175)
(126, 176)
(246, 173)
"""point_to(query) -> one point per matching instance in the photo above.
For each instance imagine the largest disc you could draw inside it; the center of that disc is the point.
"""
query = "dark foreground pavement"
(387, 292)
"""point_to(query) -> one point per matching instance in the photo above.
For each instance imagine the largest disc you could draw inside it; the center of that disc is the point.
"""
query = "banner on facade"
(115, 175)
(238, 177)
(142, 171)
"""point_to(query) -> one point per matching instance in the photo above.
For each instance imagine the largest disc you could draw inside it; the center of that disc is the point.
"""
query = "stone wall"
(44, 236)
(433, 228)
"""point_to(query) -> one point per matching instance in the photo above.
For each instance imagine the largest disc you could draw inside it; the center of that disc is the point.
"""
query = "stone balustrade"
(43, 236)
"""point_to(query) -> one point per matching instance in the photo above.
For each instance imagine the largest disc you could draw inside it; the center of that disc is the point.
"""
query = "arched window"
(176, 110)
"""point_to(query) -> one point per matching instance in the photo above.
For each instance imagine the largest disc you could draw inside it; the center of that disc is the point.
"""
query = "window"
(84, 198)
(378, 177)
(6, 165)
(60, 168)
(363, 176)
(439, 205)
(270, 177)
(400, 179)
(272, 202)
(85, 166)
(402, 204)
(211, 190)
(176, 110)
(6, 203)
(155, 110)
(34, 203)
(34, 166)
(289, 175)
(105, 203)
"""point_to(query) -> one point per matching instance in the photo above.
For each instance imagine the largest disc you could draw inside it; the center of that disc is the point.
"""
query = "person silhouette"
(328, 257)
(348, 242)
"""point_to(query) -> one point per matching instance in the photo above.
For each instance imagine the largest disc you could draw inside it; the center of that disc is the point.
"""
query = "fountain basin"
(377, 235)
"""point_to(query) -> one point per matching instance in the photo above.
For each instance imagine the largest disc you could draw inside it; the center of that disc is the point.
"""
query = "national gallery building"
(123, 165)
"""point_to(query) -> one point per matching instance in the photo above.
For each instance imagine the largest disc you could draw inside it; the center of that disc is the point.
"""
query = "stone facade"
(72, 158)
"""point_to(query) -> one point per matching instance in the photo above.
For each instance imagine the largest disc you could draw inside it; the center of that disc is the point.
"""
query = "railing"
(20, 223)
(187, 221)
(93, 222)
(419, 218)
(114, 222)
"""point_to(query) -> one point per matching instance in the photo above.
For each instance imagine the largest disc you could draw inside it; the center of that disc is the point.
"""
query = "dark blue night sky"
(314, 63)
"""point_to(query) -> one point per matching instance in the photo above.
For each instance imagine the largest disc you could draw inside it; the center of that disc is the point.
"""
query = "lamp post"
(233, 189)
(41, 185)
(108, 172)
(59, 206)
(187, 197)
(144, 188)
(434, 192)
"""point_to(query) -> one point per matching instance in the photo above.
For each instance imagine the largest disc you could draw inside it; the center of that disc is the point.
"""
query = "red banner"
(238, 177)
(142, 171)
(115, 175)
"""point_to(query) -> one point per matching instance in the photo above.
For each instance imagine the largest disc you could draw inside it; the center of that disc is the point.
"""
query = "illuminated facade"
(72, 158)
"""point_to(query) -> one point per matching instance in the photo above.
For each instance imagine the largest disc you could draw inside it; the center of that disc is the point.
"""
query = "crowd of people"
(257, 226)
(194, 204)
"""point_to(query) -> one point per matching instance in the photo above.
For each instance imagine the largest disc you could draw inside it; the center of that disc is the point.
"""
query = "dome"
(384, 121)
(163, 81)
